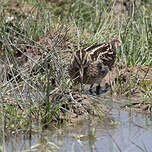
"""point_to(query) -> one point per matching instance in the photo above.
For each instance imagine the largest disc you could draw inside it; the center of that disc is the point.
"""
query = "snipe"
(91, 64)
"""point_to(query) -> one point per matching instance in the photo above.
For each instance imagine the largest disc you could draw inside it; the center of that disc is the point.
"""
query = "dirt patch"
(77, 107)
(139, 106)
(130, 81)
(84, 107)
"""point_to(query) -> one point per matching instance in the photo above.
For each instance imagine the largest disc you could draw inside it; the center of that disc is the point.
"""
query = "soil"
(84, 107)
(129, 82)
(138, 77)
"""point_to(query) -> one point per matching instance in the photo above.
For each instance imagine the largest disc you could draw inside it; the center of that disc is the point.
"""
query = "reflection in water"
(128, 131)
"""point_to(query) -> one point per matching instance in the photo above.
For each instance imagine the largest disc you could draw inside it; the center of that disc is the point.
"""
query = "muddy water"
(127, 133)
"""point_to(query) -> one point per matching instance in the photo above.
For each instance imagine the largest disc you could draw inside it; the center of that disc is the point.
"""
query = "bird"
(91, 64)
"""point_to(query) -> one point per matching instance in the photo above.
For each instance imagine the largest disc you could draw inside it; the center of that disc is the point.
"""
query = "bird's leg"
(81, 77)
(82, 86)
(98, 89)
(90, 89)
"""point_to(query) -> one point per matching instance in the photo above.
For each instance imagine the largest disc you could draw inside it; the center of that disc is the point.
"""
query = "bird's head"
(81, 62)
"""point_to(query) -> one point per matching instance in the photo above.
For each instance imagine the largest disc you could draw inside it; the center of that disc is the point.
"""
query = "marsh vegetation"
(36, 41)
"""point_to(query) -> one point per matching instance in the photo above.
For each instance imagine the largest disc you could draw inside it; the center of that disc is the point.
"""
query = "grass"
(82, 23)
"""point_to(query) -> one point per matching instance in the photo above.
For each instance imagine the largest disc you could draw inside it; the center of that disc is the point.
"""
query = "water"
(125, 134)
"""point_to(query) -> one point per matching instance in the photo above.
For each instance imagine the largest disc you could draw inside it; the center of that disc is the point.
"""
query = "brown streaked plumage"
(91, 64)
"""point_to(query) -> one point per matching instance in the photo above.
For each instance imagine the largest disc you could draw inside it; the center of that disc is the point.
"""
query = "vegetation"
(35, 40)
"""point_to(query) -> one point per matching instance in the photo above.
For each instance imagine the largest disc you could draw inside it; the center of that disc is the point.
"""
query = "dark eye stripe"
(77, 62)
